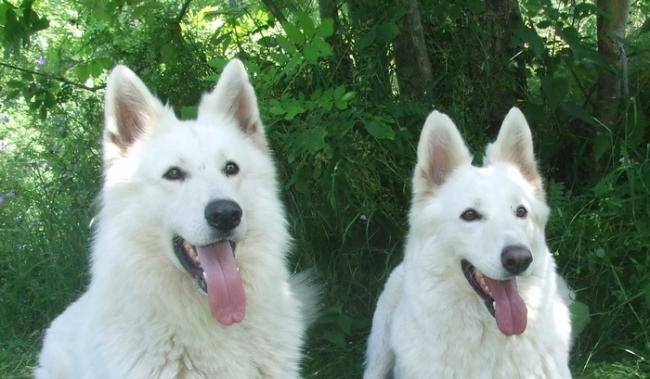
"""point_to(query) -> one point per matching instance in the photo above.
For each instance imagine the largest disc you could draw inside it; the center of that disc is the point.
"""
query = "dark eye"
(521, 211)
(471, 215)
(175, 173)
(230, 168)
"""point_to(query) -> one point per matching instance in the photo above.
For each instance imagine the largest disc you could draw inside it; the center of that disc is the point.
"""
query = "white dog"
(476, 295)
(189, 276)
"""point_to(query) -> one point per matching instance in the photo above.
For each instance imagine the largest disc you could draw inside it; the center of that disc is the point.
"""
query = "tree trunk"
(612, 83)
(414, 74)
(507, 68)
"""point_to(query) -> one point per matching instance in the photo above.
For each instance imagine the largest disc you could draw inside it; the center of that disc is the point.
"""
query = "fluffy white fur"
(142, 315)
(429, 322)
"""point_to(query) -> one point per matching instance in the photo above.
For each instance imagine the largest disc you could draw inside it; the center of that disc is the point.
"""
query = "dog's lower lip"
(187, 256)
(471, 274)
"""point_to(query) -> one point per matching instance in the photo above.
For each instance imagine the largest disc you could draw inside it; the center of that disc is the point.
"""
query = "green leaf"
(367, 39)
(339, 92)
(349, 96)
(311, 53)
(286, 44)
(379, 129)
(82, 72)
(4, 8)
(313, 140)
(602, 145)
(18, 29)
(578, 112)
(15, 83)
(324, 48)
(647, 295)
(387, 31)
(335, 337)
(275, 107)
(293, 33)
(580, 317)
(345, 323)
(326, 28)
(292, 108)
(306, 24)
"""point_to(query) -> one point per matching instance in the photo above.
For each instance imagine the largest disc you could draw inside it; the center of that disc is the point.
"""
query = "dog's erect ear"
(234, 97)
(514, 145)
(441, 150)
(130, 109)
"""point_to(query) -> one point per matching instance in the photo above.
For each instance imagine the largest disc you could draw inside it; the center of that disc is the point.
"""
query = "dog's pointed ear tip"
(438, 120)
(515, 110)
(236, 62)
(515, 114)
(235, 68)
(120, 71)
(435, 116)
(120, 78)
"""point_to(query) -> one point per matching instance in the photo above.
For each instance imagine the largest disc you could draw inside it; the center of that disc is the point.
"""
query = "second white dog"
(476, 295)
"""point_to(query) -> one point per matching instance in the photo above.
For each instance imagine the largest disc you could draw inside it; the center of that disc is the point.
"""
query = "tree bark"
(414, 74)
(507, 68)
(612, 83)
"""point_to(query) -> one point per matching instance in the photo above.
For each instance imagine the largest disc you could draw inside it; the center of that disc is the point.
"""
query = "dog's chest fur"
(462, 340)
(177, 337)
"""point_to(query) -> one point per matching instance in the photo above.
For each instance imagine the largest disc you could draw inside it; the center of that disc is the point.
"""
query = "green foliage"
(344, 140)
(17, 24)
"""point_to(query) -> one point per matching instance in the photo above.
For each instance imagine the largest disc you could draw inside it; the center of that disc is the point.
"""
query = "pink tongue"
(511, 312)
(225, 290)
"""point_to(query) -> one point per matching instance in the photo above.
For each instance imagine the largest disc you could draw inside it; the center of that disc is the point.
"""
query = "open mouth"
(189, 258)
(501, 299)
(215, 270)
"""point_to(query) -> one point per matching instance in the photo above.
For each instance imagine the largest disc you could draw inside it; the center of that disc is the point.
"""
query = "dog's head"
(191, 184)
(487, 223)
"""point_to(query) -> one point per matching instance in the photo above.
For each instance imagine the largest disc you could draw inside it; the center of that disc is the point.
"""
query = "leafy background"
(343, 121)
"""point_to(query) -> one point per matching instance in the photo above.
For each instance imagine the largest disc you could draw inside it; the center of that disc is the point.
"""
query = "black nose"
(516, 259)
(223, 215)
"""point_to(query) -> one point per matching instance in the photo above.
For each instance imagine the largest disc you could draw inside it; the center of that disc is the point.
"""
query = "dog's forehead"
(499, 181)
(193, 136)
